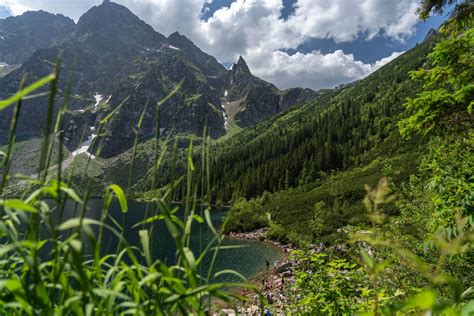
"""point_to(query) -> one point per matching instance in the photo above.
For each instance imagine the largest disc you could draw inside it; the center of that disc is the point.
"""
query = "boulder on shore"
(284, 267)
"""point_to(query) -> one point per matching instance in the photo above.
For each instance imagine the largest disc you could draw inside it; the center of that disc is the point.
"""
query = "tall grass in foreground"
(74, 277)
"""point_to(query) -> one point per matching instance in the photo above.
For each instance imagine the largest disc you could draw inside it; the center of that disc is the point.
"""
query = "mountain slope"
(21, 36)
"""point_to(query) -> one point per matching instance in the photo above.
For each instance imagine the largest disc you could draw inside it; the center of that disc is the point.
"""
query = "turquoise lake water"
(248, 260)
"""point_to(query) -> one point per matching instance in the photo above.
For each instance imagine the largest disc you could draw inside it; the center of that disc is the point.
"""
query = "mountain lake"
(249, 258)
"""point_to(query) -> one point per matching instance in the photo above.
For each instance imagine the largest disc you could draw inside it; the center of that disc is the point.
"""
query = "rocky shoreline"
(275, 283)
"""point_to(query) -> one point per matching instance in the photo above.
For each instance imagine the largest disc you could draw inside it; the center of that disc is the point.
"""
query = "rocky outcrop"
(240, 81)
(257, 98)
(208, 64)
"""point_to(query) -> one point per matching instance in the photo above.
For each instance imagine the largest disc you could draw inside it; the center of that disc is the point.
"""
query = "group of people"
(273, 288)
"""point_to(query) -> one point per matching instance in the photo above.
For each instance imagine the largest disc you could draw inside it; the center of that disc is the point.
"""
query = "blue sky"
(309, 43)
(367, 51)
(4, 12)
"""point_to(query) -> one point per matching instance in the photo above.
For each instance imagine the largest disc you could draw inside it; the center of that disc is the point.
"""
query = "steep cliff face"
(255, 98)
(240, 81)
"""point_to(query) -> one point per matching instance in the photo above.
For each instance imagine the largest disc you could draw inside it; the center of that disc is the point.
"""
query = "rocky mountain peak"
(175, 36)
(178, 40)
(432, 32)
(105, 16)
(241, 66)
(114, 19)
(21, 36)
(112, 25)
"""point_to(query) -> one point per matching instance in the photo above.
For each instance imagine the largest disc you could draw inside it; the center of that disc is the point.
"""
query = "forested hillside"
(339, 129)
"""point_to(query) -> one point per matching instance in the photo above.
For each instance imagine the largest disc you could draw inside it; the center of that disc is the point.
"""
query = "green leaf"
(18, 205)
(190, 258)
(153, 219)
(171, 94)
(198, 219)
(230, 247)
(149, 220)
(11, 285)
(423, 301)
(468, 310)
(72, 194)
(120, 196)
(75, 222)
(76, 245)
(114, 111)
(367, 258)
(232, 272)
(149, 278)
(145, 241)
(26, 91)
(207, 216)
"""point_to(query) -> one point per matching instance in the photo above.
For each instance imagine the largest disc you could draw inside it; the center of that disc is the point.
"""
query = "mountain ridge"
(110, 42)
(22, 35)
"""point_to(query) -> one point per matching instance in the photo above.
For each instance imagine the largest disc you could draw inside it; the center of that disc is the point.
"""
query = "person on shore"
(255, 299)
(270, 298)
(267, 311)
(267, 263)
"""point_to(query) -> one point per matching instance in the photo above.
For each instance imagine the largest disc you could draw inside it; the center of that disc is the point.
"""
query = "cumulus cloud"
(315, 70)
(256, 30)
(345, 20)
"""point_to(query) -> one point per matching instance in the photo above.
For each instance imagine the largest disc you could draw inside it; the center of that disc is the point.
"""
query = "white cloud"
(255, 29)
(345, 20)
(315, 70)
(382, 62)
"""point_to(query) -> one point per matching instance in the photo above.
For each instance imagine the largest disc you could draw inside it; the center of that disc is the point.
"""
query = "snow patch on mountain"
(98, 98)
(226, 118)
(84, 148)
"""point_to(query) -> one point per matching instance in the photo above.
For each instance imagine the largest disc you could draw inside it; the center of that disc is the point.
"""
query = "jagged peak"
(117, 20)
(39, 13)
(175, 34)
(241, 65)
(432, 32)
(110, 9)
(178, 37)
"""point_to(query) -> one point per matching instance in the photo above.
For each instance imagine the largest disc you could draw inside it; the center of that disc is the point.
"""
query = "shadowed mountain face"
(21, 36)
(111, 55)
